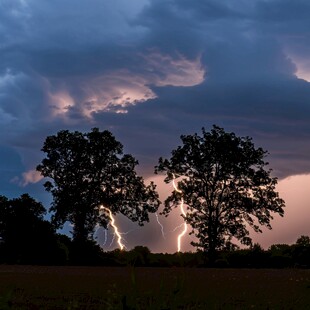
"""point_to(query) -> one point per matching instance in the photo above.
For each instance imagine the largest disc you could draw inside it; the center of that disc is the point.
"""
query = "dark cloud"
(56, 57)
(10, 166)
(150, 71)
(286, 12)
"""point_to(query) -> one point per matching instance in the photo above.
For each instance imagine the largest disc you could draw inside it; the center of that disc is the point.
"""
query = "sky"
(149, 71)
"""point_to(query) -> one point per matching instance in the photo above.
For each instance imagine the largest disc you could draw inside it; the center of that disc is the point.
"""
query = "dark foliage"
(25, 236)
(225, 185)
(277, 256)
(88, 171)
(223, 190)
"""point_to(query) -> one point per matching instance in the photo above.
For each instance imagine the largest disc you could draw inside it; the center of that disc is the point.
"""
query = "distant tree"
(139, 256)
(26, 236)
(280, 249)
(225, 186)
(87, 171)
(301, 252)
(303, 241)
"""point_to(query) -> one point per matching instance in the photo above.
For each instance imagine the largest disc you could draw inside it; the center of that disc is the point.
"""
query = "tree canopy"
(87, 171)
(225, 185)
(18, 213)
(25, 236)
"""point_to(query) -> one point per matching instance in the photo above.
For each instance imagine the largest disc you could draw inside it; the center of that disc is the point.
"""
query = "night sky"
(149, 71)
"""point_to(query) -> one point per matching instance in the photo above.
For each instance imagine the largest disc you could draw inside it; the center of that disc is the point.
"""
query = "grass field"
(32, 287)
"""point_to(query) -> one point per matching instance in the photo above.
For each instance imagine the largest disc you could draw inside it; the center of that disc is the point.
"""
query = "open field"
(32, 287)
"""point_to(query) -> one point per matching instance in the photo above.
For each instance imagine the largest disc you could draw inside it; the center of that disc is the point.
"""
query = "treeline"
(223, 179)
(277, 256)
(26, 238)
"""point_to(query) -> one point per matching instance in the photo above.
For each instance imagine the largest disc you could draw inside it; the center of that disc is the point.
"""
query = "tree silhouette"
(301, 252)
(225, 186)
(87, 171)
(26, 236)
(303, 241)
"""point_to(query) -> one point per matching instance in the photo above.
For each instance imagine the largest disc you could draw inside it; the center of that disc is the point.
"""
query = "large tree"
(226, 186)
(87, 171)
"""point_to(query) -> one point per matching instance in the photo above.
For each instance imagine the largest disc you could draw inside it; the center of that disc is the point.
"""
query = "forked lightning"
(119, 237)
(183, 212)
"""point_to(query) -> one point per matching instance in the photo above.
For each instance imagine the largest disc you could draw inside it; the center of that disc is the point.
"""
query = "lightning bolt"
(123, 233)
(105, 234)
(113, 238)
(177, 227)
(105, 237)
(182, 211)
(119, 237)
(161, 226)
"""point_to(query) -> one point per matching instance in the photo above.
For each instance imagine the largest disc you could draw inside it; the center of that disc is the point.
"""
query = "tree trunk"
(212, 256)
(212, 239)
(80, 233)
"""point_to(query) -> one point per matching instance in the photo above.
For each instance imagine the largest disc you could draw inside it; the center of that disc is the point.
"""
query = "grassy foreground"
(33, 287)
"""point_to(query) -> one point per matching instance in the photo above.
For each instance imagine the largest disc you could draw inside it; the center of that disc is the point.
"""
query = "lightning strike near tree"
(161, 226)
(105, 231)
(112, 241)
(119, 237)
(123, 233)
(177, 227)
(183, 212)
(105, 237)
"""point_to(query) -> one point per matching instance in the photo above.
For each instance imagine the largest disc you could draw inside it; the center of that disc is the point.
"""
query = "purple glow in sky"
(149, 71)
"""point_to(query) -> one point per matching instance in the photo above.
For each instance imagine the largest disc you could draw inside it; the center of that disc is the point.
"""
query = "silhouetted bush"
(26, 238)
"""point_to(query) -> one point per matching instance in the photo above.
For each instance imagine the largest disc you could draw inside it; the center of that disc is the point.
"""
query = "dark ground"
(39, 287)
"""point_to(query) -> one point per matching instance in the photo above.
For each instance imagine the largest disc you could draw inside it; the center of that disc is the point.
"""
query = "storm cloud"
(151, 70)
